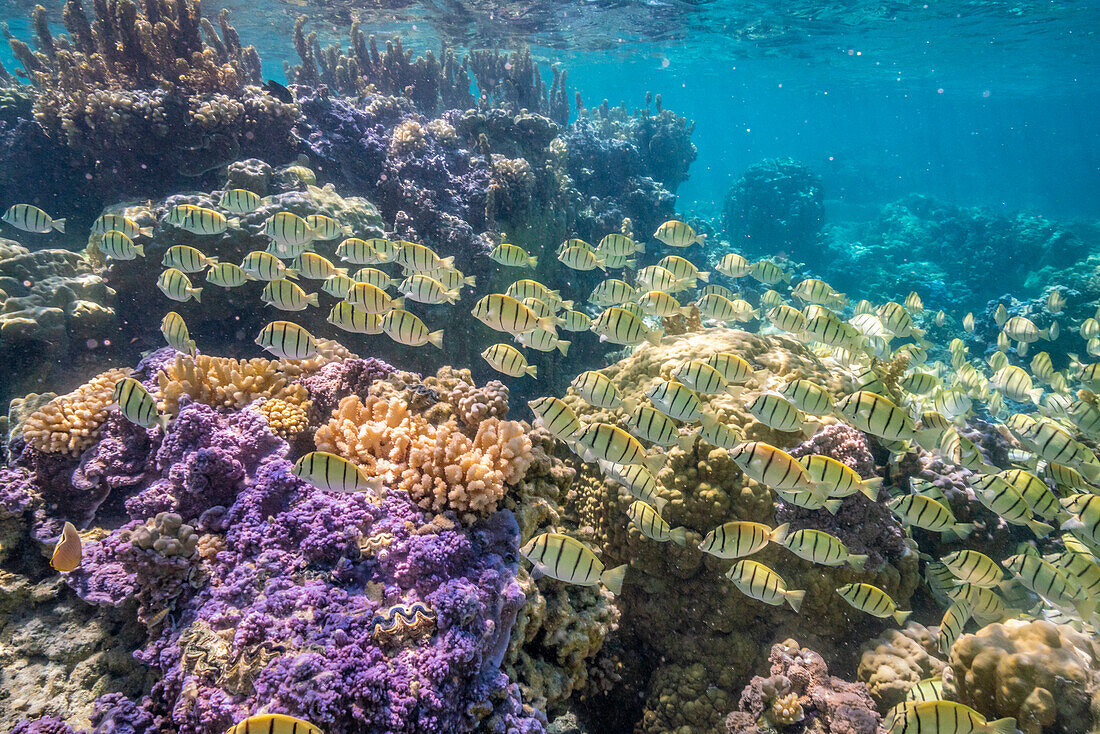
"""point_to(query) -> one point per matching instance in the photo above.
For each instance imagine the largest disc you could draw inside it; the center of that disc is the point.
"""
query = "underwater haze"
(520, 367)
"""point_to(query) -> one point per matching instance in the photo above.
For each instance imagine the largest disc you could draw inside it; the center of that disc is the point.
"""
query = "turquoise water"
(747, 382)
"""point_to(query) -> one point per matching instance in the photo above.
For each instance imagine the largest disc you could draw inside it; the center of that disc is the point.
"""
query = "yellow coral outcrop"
(225, 383)
(286, 418)
(69, 423)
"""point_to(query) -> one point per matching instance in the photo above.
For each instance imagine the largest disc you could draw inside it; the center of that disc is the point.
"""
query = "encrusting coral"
(1046, 676)
(69, 423)
(897, 660)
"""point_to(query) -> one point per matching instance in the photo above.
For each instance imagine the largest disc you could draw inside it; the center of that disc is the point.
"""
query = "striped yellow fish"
(1044, 578)
(314, 266)
(287, 340)
(650, 524)
(675, 233)
(1085, 522)
(106, 222)
(187, 259)
(703, 378)
(265, 266)
(683, 269)
(718, 434)
(426, 289)
(542, 309)
(952, 624)
(928, 514)
(650, 424)
(757, 581)
(897, 320)
(943, 717)
(1066, 478)
(928, 689)
(676, 400)
(333, 473)
(227, 275)
(985, 604)
(347, 317)
(358, 251)
(769, 273)
(733, 265)
(940, 318)
(273, 724)
(177, 213)
(67, 552)
(872, 413)
(325, 227)
(814, 500)
(873, 601)
(619, 245)
(597, 389)
(638, 480)
(808, 397)
(203, 221)
(239, 201)
(1035, 492)
(1084, 571)
(504, 313)
(772, 467)
(815, 290)
(717, 308)
(619, 326)
(32, 219)
(741, 538)
(733, 368)
(175, 332)
(787, 318)
(609, 443)
(528, 288)
(914, 304)
(288, 232)
(287, 296)
(655, 278)
(543, 341)
(406, 328)
(659, 303)
(919, 383)
(136, 404)
(720, 290)
(837, 479)
(508, 360)
(118, 246)
(416, 258)
(338, 286)
(372, 299)
(555, 416)
(974, 567)
(831, 331)
(575, 321)
(374, 276)
(1024, 331)
(575, 242)
(1016, 384)
(578, 258)
(513, 256)
(617, 262)
(1004, 500)
(612, 292)
(817, 546)
(567, 559)
(780, 414)
(177, 286)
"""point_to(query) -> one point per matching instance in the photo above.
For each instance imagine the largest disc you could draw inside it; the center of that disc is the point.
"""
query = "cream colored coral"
(407, 137)
(287, 418)
(221, 382)
(438, 465)
(786, 710)
(69, 424)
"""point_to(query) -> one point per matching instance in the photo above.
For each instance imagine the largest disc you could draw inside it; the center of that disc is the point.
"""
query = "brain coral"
(1047, 676)
(709, 636)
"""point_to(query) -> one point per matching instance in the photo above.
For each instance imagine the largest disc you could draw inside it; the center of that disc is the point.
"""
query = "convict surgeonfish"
(741, 538)
(137, 405)
(757, 581)
(286, 295)
(332, 473)
(772, 467)
(347, 317)
(186, 259)
(175, 332)
(568, 560)
(609, 443)
(943, 717)
(506, 359)
(675, 233)
(650, 524)
(227, 275)
(513, 256)
(407, 328)
(177, 286)
(817, 546)
(873, 601)
(273, 724)
(287, 340)
(106, 222)
(32, 219)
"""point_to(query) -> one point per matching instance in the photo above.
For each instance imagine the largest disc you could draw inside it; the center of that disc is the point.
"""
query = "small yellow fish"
(952, 624)
(406, 328)
(676, 400)
(618, 245)
(808, 396)
(733, 266)
(578, 258)
(974, 567)
(416, 258)
(186, 259)
(177, 213)
(817, 546)
(655, 278)
(265, 266)
(136, 404)
(682, 269)
(286, 295)
(612, 292)
(638, 480)
(609, 443)
(968, 323)
(873, 601)
(837, 479)
(555, 416)
(426, 289)
(333, 473)
(177, 286)
(1055, 302)
(200, 220)
(741, 538)
(315, 267)
(326, 228)
(597, 389)
(513, 256)
(619, 326)
(769, 273)
(227, 275)
(174, 329)
(32, 219)
(943, 717)
(274, 723)
(649, 424)
(118, 246)
(772, 467)
(659, 303)
(543, 341)
(567, 559)
(575, 321)
(374, 276)
(106, 222)
(348, 318)
(504, 313)
(358, 251)
(288, 232)
(239, 201)
(67, 552)
(703, 378)
(650, 524)
(287, 340)
(717, 308)
(508, 360)
(757, 581)
(675, 233)
(780, 414)
(338, 286)
(372, 299)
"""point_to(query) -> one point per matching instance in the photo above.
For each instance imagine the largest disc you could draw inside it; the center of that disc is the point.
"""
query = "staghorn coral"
(438, 465)
(1044, 675)
(897, 660)
(69, 423)
(800, 689)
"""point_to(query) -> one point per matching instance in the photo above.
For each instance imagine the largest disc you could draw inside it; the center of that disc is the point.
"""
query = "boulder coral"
(897, 660)
(706, 633)
(1046, 676)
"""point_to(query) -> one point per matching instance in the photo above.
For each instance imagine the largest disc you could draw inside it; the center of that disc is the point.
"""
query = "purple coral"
(337, 380)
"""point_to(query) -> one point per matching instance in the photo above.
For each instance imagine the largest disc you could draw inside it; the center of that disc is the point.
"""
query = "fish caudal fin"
(832, 505)
(471, 281)
(140, 250)
(448, 262)
(794, 598)
(857, 561)
(612, 578)
(870, 488)
(654, 337)
(809, 428)
(705, 277)
(900, 617)
(450, 296)
(146, 231)
(313, 300)
(532, 262)
(563, 347)
(1001, 726)
(655, 462)
(59, 225)
(436, 339)
(1041, 529)
(678, 536)
(196, 293)
(532, 370)
(398, 303)
(779, 534)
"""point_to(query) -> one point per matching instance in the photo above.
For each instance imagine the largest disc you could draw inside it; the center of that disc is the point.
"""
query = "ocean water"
(608, 366)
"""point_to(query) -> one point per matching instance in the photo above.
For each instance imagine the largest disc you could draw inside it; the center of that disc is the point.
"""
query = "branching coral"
(225, 383)
(286, 418)
(69, 423)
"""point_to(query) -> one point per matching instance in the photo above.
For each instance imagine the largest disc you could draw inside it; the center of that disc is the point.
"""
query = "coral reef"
(69, 423)
(1044, 675)
(897, 660)
(776, 206)
(706, 657)
(799, 690)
